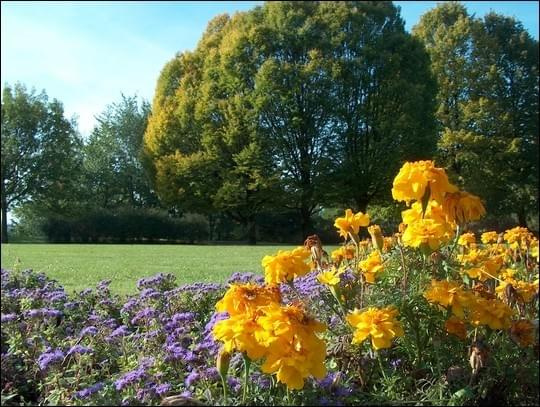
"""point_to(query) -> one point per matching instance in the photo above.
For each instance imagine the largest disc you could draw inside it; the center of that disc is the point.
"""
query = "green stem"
(224, 383)
(380, 363)
(247, 365)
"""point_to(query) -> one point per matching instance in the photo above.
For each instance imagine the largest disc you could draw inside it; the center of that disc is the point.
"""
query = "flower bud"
(376, 236)
(222, 362)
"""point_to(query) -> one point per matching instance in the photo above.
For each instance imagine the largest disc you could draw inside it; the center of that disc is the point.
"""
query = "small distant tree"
(113, 172)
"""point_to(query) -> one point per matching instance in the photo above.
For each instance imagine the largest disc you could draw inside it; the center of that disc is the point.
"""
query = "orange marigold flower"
(426, 234)
(294, 351)
(247, 298)
(413, 178)
(344, 252)
(522, 332)
(467, 239)
(462, 207)
(330, 277)
(286, 265)
(380, 324)
(448, 294)
(489, 237)
(351, 223)
(493, 313)
(456, 326)
(371, 266)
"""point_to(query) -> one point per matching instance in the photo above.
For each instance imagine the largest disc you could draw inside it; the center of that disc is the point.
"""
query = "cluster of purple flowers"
(137, 349)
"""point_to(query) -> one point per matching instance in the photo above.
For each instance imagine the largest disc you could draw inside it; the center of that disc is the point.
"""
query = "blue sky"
(87, 53)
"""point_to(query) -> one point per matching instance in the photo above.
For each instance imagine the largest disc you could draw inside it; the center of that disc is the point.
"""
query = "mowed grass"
(79, 266)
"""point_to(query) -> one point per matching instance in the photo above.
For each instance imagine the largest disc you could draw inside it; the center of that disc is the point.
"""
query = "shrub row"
(126, 225)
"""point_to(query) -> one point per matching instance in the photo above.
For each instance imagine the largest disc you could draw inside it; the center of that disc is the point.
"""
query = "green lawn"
(78, 266)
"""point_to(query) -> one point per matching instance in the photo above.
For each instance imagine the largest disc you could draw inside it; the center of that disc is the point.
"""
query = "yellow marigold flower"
(330, 277)
(286, 265)
(534, 248)
(492, 313)
(377, 238)
(462, 207)
(247, 298)
(522, 332)
(380, 324)
(425, 233)
(344, 252)
(456, 326)
(351, 223)
(517, 236)
(525, 291)
(433, 211)
(371, 266)
(507, 274)
(413, 178)
(489, 237)
(474, 257)
(238, 333)
(448, 294)
(294, 350)
(466, 239)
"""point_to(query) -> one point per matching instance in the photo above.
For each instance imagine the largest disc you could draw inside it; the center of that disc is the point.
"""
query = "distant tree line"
(280, 118)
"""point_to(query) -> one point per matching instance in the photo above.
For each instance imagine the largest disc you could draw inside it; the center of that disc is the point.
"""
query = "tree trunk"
(522, 217)
(4, 237)
(307, 228)
(252, 231)
(211, 225)
(362, 203)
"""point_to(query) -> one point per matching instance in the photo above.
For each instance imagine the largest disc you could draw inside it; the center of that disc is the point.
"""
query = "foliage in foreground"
(427, 316)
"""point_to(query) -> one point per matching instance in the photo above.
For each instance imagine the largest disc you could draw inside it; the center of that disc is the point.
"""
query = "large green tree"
(202, 137)
(40, 152)
(382, 98)
(487, 71)
(310, 92)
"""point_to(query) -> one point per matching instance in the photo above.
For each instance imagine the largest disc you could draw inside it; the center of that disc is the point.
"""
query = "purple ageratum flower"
(71, 305)
(144, 315)
(243, 278)
(152, 334)
(183, 317)
(162, 389)
(234, 383)
(8, 317)
(58, 295)
(85, 393)
(130, 378)
(103, 285)
(89, 331)
(79, 349)
(149, 293)
(210, 373)
(129, 305)
(49, 358)
(326, 382)
(86, 292)
(43, 313)
(119, 332)
(192, 378)
(395, 363)
(147, 362)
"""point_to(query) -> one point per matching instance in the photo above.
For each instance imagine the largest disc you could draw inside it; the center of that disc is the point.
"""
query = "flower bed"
(425, 315)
